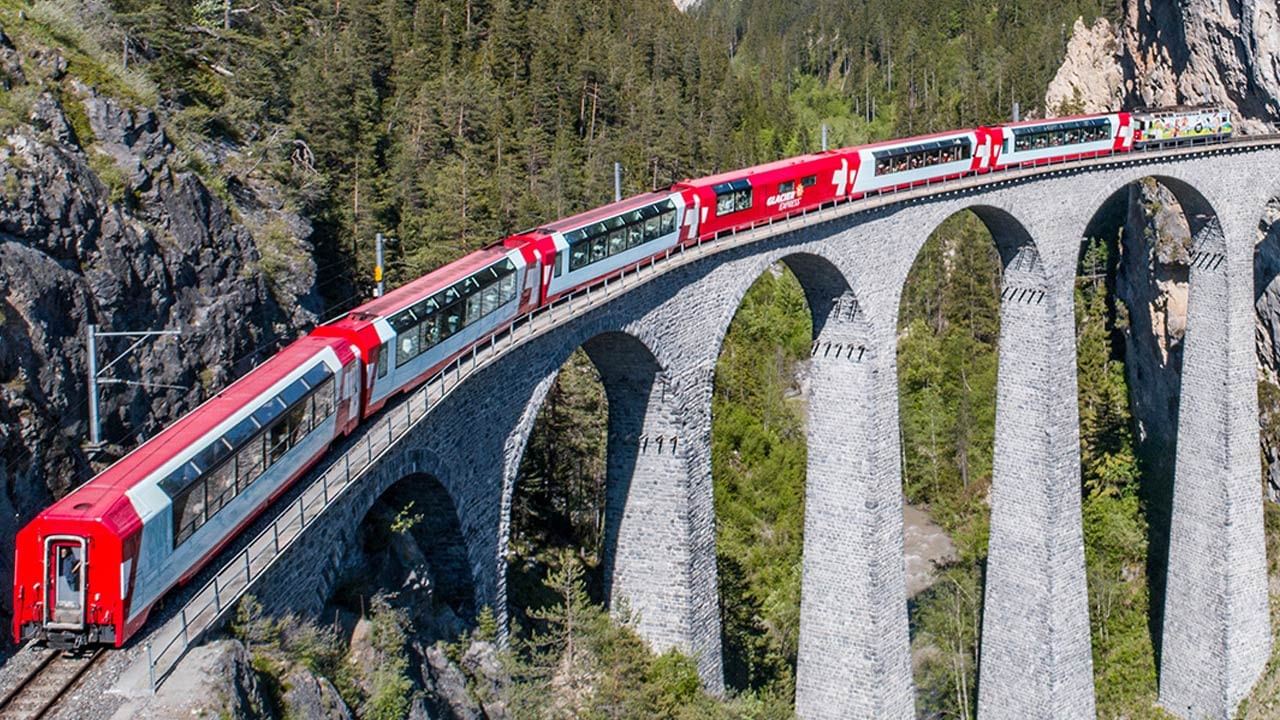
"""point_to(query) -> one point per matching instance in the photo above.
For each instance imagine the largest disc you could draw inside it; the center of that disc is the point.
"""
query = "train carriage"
(588, 247)
(743, 198)
(411, 332)
(89, 568)
(1036, 142)
(1169, 126)
(900, 164)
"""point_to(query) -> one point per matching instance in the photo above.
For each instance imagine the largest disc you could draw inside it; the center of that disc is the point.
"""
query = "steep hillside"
(104, 219)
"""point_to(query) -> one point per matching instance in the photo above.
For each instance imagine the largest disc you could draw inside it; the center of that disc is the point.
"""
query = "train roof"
(1056, 120)
(762, 172)
(603, 212)
(438, 279)
(1209, 106)
(913, 140)
(97, 496)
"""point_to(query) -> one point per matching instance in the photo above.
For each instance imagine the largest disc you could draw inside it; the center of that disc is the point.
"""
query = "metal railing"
(167, 645)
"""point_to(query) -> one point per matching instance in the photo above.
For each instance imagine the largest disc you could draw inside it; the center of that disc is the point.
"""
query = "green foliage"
(908, 66)
(82, 41)
(277, 644)
(281, 256)
(110, 174)
(560, 497)
(949, 328)
(391, 690)
(581, 663)
(758, 456)
(450, 124)
(946, 625)
(486, 625)
(405, 519)
(1115, 528)
(1263, 702)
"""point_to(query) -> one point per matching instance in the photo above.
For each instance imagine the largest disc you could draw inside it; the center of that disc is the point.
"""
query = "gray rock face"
(214, 680)
(1266, 283)
(446, 686)
(114, 228)
(1189, 52)
(1152, 283)
(312, 697)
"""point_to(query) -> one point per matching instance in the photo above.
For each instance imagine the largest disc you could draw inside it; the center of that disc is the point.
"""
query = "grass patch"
(105, 167)
(282, 255)
(74, 111)
(59, 24)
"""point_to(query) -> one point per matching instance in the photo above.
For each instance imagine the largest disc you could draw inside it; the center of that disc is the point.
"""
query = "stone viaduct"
(656, 347)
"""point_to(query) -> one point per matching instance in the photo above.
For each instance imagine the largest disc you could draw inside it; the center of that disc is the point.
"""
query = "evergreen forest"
(448, 124)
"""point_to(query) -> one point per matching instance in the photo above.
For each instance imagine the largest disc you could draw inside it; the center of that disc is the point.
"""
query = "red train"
(89, 568)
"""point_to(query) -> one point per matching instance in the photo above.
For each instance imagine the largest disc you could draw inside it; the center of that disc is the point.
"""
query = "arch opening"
(1266, 269)
(1266, 295)
(949, 327)
(613, 508)
(1140, 252)
(411, 551)
(758, 456)
(559, 501)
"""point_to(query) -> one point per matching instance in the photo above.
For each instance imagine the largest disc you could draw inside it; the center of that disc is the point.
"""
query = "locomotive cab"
(65, 571)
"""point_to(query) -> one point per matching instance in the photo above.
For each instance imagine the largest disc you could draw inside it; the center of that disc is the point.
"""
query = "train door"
(66, 563)
(352, 403)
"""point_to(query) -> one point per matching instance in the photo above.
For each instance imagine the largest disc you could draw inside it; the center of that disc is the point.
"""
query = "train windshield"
(66, 581)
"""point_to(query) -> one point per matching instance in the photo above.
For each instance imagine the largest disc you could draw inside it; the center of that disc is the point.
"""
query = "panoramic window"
(1072, 133)
(601, 240)
(915, 157)
(426, 324)
(230, 464)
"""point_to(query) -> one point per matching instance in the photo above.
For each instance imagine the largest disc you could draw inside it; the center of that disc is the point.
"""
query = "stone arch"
(1034, 653)
(412, 540)
(1211, 546)
(656, 554)
(1152, 284)
(838, 345)
(854, 652)
(838, 312)
(441, 499)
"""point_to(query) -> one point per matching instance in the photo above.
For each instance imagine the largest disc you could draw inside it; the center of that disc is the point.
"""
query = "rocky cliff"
(1160, 54)
(1190, 52)
(104, 219)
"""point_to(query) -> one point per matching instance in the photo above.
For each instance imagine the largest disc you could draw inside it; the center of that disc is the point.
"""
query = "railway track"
(44, 685)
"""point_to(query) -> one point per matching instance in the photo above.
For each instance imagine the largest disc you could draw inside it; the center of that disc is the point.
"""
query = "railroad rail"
(167, 644)
(40, 690)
